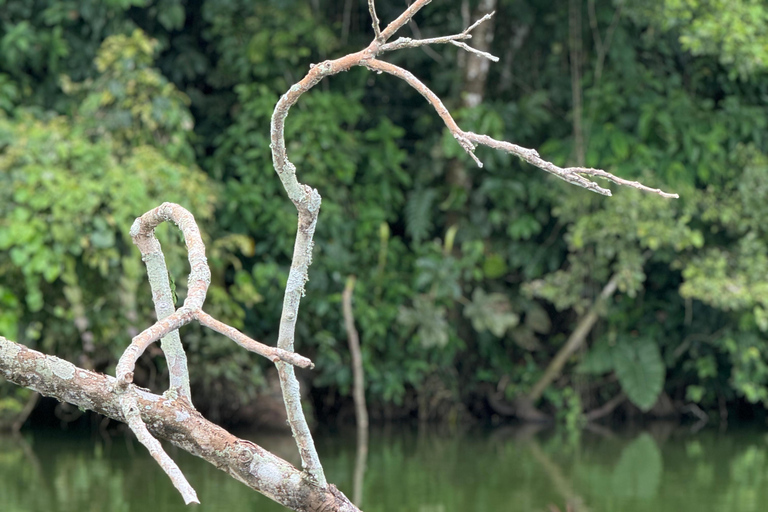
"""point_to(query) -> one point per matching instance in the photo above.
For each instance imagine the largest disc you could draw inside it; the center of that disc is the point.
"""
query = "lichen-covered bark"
(176, 421)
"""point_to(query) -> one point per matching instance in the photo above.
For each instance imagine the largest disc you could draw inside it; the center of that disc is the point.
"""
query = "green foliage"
(66, 202)
(491, 312)
(640, 371)
(132, 103)
(638, 365)
(733, 30)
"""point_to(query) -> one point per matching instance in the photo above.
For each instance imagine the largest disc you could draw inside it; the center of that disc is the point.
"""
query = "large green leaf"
(598, 360)
(640, 370)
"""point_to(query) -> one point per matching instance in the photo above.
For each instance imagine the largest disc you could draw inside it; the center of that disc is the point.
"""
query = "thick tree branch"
(175, 421)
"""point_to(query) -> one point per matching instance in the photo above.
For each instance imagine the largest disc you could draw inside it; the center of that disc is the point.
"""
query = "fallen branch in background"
(358, 390)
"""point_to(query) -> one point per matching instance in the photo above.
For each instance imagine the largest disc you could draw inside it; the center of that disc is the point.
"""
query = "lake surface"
(664, 469)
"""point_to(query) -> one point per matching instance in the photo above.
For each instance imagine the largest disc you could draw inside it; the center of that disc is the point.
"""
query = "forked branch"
(167, 327)
(307, 200)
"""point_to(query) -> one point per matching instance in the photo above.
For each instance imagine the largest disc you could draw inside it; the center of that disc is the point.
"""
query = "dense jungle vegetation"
(469, 280)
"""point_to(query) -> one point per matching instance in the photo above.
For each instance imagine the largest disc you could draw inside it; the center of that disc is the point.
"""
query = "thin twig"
(130, 407)
(406, 42)
(374, 19)
(272, 353)
(401, 20)
(465, 46)
(478, 22)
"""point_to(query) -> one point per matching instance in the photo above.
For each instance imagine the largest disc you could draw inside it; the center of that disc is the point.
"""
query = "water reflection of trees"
(661, 471)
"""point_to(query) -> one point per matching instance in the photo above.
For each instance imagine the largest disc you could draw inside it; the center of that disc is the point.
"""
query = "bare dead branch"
(169, 322)
(466, 47)
(272, 353)
(130, 406)
(478, 22)
(173, 420)
(307, 200)
(401, 20)
(374, 19)
(142, 233)
(358, 389)
(470, 140)
(157, 273)
(407, 42)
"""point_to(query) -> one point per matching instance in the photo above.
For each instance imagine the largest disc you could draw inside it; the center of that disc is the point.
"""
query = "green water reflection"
(661, 470)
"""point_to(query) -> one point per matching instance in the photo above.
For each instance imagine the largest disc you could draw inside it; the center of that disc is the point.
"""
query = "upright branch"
(374, 19)
(307, 200)
(353, 339)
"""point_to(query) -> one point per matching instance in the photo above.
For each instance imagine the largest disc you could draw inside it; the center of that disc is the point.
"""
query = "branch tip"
(374, 19)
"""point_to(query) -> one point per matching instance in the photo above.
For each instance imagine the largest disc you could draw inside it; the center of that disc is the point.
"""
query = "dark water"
(665, 469)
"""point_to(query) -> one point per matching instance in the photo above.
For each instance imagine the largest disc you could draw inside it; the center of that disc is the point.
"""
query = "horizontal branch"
(455, 39)
(175, 421)
(469, 140)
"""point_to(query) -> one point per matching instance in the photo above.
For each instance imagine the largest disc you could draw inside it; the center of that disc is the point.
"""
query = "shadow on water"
(661, 469)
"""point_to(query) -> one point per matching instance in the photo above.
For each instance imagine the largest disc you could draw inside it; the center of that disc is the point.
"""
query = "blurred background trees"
(469, 280)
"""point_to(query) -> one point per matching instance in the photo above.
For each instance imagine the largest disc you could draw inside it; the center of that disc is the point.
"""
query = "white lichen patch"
(9, 350)
(295, 280)
(267, 473)
(182, 416)
(62, 369)
(135, 227)
(43, 368)
(294, 480)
